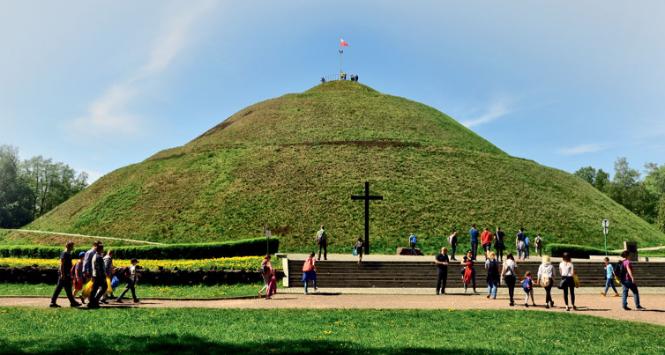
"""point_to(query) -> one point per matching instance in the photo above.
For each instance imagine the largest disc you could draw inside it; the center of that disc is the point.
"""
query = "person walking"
(87, 261)
(108, 269)
(132, 279)
(441, 262)
(322, 242)
(627, 278)
(272, 284)
(309, 272)
(519, 244)
(499, 243)
(99, 284)
(493, 275)
(469, 272)
(539, 245)
(527, 286)
(473, 234)
(65, 277)
(567, 271)
(265, 273)
(358, 247)
(609, 277)
(452, 240)
(509, 274)
(546, 279)
(79, 279)
(486, 241)
(527, 243)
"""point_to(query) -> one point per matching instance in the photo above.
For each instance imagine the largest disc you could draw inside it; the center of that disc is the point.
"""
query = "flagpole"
(341, 52)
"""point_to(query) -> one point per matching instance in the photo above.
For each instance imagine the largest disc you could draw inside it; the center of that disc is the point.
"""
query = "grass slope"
(213, 331)
(292, 163)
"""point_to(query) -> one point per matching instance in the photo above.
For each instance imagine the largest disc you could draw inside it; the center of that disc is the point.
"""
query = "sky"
(99, 85)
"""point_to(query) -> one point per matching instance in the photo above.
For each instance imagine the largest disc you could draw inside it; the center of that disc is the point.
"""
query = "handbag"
(576, 281)
(546, 282)
(562, 284)
(616, 281)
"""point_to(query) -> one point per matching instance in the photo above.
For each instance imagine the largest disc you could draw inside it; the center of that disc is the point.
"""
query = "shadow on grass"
(189, 344)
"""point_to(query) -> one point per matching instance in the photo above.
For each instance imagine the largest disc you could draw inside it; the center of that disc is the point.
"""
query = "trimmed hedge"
(575, 251)
(35, 275)
(245, 247)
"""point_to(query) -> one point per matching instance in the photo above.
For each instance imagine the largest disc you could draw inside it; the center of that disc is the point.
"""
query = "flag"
(343, 43)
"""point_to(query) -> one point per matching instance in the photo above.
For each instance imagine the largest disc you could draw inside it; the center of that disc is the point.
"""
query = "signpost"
(268, 234)
(606, 229)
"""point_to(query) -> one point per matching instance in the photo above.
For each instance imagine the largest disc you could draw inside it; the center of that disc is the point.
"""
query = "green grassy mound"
(215, 331)
(293, 162)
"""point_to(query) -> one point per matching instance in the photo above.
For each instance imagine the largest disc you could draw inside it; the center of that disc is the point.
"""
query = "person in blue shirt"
(473, 233)
(609, 278)
(412, 242)
(526, 246)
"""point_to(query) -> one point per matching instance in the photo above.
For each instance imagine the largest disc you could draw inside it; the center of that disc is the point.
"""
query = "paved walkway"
(588, 303)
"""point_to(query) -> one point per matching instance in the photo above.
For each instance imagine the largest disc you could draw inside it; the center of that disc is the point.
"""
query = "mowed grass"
(199, 331)
(143, 291)
(293, 162)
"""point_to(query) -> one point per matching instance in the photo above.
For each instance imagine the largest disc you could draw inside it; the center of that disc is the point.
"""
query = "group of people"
(94, 271)
(506, 273)
(486, 238)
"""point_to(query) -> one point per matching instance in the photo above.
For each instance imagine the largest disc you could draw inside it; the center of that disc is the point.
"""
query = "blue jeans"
(610, 282)
(474, 249)
(629, 285)
(491, 288)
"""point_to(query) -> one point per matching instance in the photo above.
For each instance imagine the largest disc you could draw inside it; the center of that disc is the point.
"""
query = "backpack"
(620, 271)
(526, 285)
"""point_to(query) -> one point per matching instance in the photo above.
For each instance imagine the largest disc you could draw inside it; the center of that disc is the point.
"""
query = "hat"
(81, 254)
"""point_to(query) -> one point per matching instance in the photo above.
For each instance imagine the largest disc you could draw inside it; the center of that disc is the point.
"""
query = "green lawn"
(331, 331)
(143, 291)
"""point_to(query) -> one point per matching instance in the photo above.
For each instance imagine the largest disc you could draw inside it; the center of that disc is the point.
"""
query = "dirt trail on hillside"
(588, 304)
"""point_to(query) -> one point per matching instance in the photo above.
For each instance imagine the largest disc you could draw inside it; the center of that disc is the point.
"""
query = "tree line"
(32, 187)
(643, 195)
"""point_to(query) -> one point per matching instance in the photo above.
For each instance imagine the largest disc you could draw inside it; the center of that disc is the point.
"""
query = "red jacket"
(486, 237)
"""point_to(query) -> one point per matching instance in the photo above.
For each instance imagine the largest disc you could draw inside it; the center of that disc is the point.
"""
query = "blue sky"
(100, 85)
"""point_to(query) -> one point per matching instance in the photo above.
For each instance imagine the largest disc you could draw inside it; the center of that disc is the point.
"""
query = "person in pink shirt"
(309, 271)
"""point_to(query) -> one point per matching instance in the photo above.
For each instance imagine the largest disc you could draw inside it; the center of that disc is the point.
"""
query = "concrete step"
(423, 274)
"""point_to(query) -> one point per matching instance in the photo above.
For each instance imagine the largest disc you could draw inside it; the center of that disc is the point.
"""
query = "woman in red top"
(309, 271)
(469, 273)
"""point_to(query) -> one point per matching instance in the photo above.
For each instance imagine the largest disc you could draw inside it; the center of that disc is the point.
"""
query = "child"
(309, 272)
(527, 285)
(272, 284)
(79, 279)
(609, 278)
(358, 247)
(132, 278)
(467, 272)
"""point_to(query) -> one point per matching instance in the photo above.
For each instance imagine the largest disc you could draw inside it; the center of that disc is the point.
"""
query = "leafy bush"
(238, 263)
(245, 247)
(575, 251)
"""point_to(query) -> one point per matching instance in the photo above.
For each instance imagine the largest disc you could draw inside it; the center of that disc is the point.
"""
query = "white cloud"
(497, 109)
(109, 113)
(583, 149)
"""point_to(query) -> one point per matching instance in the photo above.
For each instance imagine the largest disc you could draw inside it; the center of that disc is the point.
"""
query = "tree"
(602, 181)
(627, 189)
(31, 188)
(15, 194)
(587, 174)
(660, 221)
(598, 178)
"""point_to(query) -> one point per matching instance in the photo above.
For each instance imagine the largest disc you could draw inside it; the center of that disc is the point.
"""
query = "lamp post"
(606, 229)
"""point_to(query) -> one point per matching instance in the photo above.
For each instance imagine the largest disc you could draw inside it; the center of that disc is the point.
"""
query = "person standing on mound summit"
(322, 242)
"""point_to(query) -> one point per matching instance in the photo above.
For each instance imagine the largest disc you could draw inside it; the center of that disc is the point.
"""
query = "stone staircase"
(406, 274)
